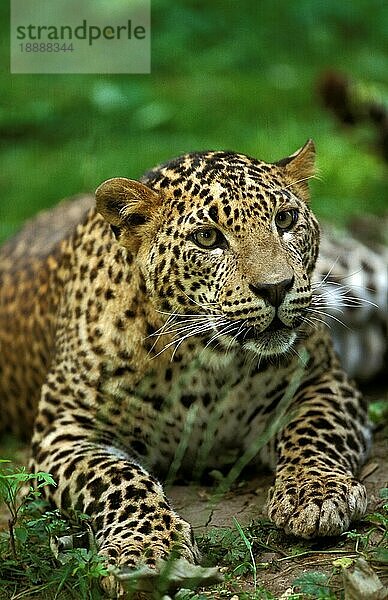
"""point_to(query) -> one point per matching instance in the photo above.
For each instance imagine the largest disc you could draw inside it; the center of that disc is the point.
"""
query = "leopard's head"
(226, 243)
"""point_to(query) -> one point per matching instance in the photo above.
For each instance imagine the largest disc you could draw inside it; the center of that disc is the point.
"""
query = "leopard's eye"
(209, 238)
(285, 219)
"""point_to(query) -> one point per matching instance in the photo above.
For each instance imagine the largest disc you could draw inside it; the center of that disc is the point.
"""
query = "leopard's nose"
(274, 293)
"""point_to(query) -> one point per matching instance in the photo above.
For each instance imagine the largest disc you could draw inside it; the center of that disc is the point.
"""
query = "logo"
(83, 36)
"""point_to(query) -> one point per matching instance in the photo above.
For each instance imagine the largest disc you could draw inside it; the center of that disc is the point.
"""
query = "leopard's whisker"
(343, 296)
(328, 315)
(232, 338)
(315, 176)
(221, 332)
(176, 326)
(187, 333)
(247, 331)
(235, 336)
(326, 305)
(177, 314)
(313, 320)
(180, 340)
(242, 325)
(345, 300)
(204, 305)
(190, 330)
(169, 322)
(173, 325)
(349, 286)
(293, 350)
(327, 275)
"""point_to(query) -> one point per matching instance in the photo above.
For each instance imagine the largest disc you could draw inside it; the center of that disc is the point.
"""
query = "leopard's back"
(29, 294)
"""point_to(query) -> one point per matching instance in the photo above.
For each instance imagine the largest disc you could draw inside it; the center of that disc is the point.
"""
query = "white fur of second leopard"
(351, 281)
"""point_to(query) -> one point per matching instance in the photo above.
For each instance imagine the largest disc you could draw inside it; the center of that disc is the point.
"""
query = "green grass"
(224, 75)
(28, 564)
(250, 556)
(238, 551)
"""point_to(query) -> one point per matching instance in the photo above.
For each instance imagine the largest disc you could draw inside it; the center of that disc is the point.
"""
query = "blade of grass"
(275, 423)
(249, 547)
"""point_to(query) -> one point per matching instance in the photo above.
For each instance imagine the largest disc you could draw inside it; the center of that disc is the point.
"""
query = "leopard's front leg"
(131, 517)
(319, 453)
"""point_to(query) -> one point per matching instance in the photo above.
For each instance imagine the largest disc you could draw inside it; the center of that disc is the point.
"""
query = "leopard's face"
(229, 250)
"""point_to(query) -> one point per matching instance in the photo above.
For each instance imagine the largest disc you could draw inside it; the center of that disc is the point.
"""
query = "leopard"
(178, 315)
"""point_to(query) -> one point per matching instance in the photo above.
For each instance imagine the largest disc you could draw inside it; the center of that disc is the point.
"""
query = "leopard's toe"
(308, 509)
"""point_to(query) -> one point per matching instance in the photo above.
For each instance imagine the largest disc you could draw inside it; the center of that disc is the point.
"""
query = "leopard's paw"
(146, 546)
(307, 507)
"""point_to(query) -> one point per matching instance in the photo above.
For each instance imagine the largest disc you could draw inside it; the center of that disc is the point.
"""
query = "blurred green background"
(226, 74)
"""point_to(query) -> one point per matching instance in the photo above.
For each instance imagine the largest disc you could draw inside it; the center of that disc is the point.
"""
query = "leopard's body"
(128, 340)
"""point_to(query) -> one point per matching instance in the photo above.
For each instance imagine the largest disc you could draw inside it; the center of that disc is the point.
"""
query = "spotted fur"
(125, 338)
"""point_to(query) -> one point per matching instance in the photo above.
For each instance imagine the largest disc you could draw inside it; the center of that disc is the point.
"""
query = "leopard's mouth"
(251, 333)
(276, 339)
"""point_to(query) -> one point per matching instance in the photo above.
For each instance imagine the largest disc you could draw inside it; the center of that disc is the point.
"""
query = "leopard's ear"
(128, 206)
(299, 168)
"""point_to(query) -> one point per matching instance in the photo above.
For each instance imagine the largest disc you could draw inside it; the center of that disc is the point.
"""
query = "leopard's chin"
(272, 343)
(277, 339)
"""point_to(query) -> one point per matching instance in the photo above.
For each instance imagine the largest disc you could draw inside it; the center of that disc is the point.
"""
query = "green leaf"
(44, 479)
(8, 489)
(378, 519)
(315, 585)
(380, 555)
(383, 493)
(21, 534)
(168, 575)
(242, 569)
(378, 411)
(344, 562)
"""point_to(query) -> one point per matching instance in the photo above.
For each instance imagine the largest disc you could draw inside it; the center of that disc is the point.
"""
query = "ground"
(276, 565)
(216, 525)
